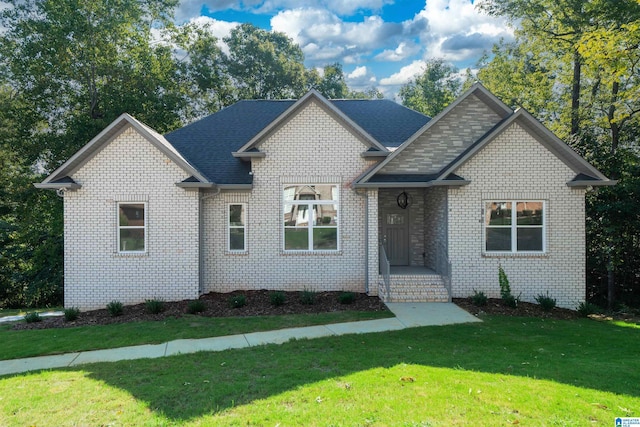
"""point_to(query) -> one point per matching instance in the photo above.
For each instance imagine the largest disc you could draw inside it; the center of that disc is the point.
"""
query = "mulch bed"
(258, 303)
(525, 309)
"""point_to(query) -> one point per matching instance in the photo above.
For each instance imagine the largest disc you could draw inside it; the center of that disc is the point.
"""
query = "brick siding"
(129, 168)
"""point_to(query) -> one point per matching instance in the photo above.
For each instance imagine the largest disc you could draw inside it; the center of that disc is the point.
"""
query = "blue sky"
(381, 43)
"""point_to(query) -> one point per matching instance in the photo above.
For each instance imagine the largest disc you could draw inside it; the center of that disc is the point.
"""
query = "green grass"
(505, 371)
(29, 343)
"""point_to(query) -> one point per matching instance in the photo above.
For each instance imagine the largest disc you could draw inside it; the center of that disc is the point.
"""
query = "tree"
(264, 65)
(70, 67)
(584, 55)
(331, 84)
(433, 90)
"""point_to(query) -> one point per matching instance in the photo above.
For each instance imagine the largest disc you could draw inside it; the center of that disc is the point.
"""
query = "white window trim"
(310, 228)
(119, 227)
(244, 227)
(514, 227)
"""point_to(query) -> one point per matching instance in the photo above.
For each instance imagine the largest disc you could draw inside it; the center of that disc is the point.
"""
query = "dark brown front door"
(395, 237)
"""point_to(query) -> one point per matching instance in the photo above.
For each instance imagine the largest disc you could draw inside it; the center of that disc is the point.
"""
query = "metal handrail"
(385, 270)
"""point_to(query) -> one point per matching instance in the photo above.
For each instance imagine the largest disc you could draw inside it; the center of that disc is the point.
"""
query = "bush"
(115, 308)
(505, 288)
(277, 298)
(307, 297)
(587, 308)
(237, 301)
(32, 317)
(479, 299)
(546, 302)
(71, 314)
(196, 306)
(511, 301)
(347, 298)
(154, 306)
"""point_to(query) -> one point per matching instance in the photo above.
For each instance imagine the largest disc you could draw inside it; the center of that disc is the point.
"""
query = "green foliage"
(154, 306)
(115, 308)
(71, 314)
(346, 298)
(277, 298)
(433, 90)
(586, 309)
(237, 301)
(505, 288)
(510, 301)
(308, 297)
(265, 64)
(32, 317)
(196, 306)
(479, 299)
(546, 302)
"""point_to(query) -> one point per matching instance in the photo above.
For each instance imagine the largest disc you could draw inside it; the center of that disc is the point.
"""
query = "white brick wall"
(129, 168)
(311, 148)
(516, 166)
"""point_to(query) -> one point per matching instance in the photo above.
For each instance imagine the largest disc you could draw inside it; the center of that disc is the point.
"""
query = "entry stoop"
(413, 288)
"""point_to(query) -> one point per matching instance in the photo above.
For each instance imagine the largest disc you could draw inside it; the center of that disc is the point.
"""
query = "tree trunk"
(611, 283)
(575, 94)
(615, 139)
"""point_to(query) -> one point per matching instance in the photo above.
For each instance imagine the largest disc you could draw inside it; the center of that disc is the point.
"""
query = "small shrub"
(307, 297)
(115, 308)
(237, 301)
(154, 306)
(511, 301)
(546, 302)
(587, 308)
(505, 288)
(32, 317)
(196, 306)
(71, 314)
(479, 299)
(277, 298)
(346, 297)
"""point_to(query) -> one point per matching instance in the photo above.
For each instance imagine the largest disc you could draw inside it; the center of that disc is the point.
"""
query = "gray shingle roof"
(208, 143)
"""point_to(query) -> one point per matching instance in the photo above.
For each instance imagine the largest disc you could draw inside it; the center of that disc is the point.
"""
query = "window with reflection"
(514, 226)
(311, 217)
(132, 228)
(237, 237)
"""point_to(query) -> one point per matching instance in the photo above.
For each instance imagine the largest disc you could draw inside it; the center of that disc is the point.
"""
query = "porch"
(413, 254)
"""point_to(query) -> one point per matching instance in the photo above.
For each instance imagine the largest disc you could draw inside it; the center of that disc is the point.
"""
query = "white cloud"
(405, 50)
(405, 74)
(349, 41)
(360, 78)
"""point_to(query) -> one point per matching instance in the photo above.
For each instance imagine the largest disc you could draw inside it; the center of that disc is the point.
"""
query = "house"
(327, 195)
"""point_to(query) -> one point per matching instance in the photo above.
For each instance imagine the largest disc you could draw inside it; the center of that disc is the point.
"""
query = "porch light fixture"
(404, 200)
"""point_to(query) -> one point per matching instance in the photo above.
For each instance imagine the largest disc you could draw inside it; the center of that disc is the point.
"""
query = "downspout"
(366, 240)
(203, 197)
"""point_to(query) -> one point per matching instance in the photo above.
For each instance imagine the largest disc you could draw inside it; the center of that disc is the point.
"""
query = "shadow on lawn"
(582, 353)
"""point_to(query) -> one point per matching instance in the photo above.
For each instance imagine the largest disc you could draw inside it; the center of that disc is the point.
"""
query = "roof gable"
(312, 95)
(491, 103)
(61, 176)
(544, 136)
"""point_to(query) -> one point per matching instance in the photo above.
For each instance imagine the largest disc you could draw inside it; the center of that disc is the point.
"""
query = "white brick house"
(360, 195)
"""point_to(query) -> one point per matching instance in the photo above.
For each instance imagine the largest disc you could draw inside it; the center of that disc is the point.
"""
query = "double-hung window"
(311, 217)
(132, 227)
(237, 227)
(515, 226)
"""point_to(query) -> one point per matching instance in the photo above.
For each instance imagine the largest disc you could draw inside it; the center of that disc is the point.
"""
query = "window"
(132, 233)
(311, 217)
(514, 226)
(237, 231)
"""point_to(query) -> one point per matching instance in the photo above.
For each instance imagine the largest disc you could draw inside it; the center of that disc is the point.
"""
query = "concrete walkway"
(407, 315)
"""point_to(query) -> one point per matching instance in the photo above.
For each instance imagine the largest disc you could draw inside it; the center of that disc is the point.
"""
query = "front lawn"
(504, 371)
(40, 342)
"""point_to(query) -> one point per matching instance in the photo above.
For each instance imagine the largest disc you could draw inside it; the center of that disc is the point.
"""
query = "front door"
(395, 237)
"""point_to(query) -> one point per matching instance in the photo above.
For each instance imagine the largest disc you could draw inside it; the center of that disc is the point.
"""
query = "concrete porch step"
(414, 288)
